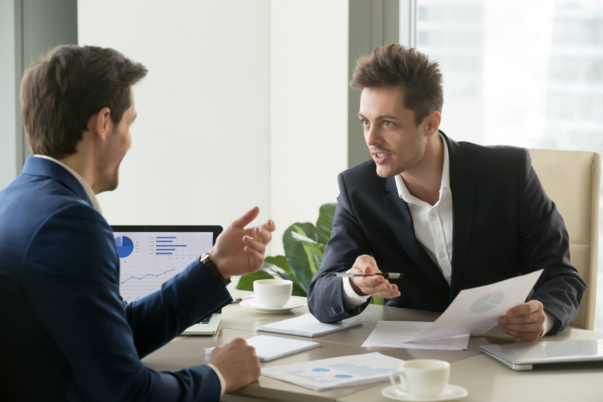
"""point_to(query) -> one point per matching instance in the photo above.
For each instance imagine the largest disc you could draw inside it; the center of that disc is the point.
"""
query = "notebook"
(269, 348)
(307, 325)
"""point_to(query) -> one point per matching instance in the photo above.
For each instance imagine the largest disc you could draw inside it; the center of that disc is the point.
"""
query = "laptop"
(548, 354)
(150, 255)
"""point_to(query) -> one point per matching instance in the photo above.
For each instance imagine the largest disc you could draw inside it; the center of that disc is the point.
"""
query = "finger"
(372, 289)
(523, 319)
(528, 337)
(365, 267)
(370, 281)
(263, 235)
(257, 245)
(247, 218)
(269, 225)
(256, 260)
(386, 294)
(526, 308)
(365, 260)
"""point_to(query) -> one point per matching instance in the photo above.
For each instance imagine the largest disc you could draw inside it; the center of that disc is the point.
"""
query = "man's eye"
(364, 122)
(388, 123)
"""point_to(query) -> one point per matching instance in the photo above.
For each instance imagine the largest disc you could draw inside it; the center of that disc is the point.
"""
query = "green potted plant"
(304, 245)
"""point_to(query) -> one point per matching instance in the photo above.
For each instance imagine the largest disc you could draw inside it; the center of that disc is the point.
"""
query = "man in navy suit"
(449, 215)
(66, 334)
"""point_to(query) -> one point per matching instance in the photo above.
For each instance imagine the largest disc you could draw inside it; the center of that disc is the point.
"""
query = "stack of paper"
(399, 334)
(337, 372)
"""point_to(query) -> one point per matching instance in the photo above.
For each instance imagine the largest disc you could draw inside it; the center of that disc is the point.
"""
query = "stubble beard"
(417, 157)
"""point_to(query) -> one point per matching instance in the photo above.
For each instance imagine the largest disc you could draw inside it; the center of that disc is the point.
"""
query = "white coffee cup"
(422, 378)
(272, 293)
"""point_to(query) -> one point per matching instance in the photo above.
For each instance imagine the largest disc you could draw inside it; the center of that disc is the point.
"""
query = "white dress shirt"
(96, 205)
(433, 229)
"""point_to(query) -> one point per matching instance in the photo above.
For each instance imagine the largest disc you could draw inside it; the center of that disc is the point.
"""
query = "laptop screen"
(150, 255)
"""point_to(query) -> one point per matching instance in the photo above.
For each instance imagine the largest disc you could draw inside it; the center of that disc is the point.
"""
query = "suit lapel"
(402, 225)
(462, 185)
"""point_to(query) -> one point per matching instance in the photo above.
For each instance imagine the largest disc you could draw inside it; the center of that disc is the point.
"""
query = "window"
(520, 72)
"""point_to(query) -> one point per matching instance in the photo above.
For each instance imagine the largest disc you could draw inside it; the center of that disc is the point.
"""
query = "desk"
(484, 378)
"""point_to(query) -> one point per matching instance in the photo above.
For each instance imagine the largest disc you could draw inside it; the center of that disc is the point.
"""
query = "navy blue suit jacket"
(65, 333)
(504, 225)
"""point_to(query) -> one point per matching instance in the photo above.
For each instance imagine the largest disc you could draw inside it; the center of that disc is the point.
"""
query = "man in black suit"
(450, 216)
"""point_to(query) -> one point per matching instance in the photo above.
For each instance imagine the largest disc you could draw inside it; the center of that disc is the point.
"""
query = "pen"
(240, 299)
(386, 275)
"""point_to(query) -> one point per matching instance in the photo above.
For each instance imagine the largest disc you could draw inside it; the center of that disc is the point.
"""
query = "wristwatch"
(213, 270)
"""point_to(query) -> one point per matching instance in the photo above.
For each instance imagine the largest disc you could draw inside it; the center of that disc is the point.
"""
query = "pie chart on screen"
(125, 246)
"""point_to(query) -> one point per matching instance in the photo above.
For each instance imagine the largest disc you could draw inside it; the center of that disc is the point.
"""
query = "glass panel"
(520, 72)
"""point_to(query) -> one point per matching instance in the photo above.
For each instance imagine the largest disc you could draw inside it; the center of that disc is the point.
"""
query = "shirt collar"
(444, 185)
(79, 178)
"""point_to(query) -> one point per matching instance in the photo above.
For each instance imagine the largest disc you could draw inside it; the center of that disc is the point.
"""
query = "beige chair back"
(572, 180)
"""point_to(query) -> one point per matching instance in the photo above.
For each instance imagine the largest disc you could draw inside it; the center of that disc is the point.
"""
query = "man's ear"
(432, 122)
(99, 123)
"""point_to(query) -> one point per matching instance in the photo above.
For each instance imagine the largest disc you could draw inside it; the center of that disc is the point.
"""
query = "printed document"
(337, 372)
(474, 311)
(399, 334)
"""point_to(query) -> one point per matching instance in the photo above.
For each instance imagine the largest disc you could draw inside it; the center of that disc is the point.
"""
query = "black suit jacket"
(504, 225)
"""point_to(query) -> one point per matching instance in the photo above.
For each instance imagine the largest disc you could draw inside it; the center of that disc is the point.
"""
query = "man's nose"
(373, 136)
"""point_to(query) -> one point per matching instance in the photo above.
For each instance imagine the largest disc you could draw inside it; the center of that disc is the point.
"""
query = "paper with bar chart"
(337, 372)
(148, 259)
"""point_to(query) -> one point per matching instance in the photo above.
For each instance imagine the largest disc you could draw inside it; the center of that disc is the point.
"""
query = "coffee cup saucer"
(450, 392)
(294, 302)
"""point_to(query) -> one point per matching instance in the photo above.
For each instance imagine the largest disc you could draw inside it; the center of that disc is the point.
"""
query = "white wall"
(8, 133)
(308, 108)
(200, 150)
(245, 104)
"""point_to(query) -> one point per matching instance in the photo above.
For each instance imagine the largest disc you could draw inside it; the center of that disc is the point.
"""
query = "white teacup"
(272, 293)
(422, 378)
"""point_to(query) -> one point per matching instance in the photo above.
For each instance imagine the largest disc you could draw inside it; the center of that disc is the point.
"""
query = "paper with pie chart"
(474, 311)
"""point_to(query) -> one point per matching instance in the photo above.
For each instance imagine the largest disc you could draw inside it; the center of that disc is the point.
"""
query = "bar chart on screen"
(147, 260)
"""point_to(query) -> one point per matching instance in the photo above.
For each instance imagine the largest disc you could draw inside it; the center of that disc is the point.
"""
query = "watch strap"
(212, 269)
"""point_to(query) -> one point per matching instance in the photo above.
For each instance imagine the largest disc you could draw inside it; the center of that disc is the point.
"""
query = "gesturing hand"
(240, 251)
(525, 321)
(376, 286)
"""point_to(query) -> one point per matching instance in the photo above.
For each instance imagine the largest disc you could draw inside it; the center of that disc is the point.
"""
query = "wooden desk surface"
(485, 378)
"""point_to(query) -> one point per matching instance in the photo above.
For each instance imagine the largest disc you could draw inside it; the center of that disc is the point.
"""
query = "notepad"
(273, 347)
(269, 348)
(307, 325)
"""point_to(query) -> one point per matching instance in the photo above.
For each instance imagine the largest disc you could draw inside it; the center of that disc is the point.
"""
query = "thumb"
(247, 218)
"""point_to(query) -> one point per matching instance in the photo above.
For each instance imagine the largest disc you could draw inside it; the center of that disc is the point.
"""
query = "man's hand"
(237, 362)
(525, 321)
(240, 251)
(376, 286)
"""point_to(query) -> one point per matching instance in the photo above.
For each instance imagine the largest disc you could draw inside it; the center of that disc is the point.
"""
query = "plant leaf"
(278, 267)
(303, 257)
(377, 300)
(246, 281)
(324, 224)
(299, 237)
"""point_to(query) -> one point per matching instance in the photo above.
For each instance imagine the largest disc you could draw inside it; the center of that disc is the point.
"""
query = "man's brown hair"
(69, 85)
(396, 65)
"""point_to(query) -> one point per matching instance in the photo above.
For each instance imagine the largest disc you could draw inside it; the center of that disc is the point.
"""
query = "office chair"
(571, 179)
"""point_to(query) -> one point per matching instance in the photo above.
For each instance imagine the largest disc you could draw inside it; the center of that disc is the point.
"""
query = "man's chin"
(385, 173)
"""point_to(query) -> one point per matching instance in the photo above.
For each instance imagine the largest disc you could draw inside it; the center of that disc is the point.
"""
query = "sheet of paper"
(337, 372)
(398, 334)
(475, 311)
